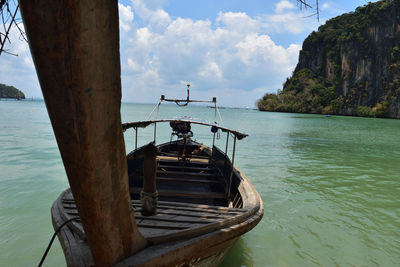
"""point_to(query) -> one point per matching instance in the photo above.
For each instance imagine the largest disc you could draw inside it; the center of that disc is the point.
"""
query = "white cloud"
(28, 62)
(125, 17)
(325, 6)
(232, 57)
(134, 66)
(238, 22)
(333, 8)
(159, 20)
(210, 70)
(283, 6)
(290, 22)
(256, 50)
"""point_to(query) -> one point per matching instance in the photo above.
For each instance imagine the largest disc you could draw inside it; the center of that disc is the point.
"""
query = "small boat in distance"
(190, 202)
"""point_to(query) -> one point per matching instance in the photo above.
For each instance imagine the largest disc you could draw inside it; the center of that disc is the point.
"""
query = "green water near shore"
(330, 186)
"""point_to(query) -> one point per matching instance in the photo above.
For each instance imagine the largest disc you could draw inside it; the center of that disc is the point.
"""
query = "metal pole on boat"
(226, 153)
(233, 160)
(213, 141)
(226, 147)
(188, 86)
(215, 117)
(215, 109)
(136, 130)
(155, 132)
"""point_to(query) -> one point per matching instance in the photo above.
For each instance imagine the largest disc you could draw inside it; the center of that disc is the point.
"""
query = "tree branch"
(305, 4)
(9, 20)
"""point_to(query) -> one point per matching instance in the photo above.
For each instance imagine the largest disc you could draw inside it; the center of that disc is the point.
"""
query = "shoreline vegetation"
(10, 92)
(350, 66)
(317, 98)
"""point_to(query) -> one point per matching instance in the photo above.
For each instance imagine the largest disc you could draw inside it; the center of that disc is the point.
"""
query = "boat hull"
(187, 230)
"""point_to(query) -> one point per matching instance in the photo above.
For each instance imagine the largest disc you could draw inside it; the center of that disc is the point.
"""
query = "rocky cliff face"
(10, 92)
(359, 55)
(350, 66)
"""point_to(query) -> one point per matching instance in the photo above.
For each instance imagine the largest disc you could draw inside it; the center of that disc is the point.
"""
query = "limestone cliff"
(350, 66)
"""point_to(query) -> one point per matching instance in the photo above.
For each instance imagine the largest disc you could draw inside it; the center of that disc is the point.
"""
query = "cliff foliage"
(10, 92)
(350, 66)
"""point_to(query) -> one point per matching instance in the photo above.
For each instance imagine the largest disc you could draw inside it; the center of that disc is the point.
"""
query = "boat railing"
(214, 127)
(227, 169)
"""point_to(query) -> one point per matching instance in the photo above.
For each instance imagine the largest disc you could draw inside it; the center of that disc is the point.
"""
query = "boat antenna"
(188, 86)
(185, 102)
(177, 101)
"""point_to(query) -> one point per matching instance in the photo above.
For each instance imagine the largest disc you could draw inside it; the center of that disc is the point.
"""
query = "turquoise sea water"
(330, 186)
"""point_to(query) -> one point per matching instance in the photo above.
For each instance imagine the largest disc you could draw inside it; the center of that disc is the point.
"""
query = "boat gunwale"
(250, 206)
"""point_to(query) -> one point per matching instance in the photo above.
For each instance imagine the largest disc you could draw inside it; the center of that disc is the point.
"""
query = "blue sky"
(235, 50)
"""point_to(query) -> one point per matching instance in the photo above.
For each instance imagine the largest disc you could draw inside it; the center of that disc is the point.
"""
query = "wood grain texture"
(75, 48)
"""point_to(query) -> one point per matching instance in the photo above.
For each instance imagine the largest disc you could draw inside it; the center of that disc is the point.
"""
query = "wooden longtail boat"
(197, 205)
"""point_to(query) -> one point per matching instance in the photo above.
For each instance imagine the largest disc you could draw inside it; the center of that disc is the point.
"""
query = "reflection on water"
(330, 186)
(239, 255)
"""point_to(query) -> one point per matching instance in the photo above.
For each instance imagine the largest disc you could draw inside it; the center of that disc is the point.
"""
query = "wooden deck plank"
(198, 215)
(186, 167)
(70, 203)
(177, 193)
(171, 213)
(176, 218)
(175, 154)
(188, 215)
(187, 180)
(173, 216)
(186, 174)
(163, 225)
(175, 210)
(211, 211)
(181, 179)
(180, 216)
(200, 206)
(150, 233)
(168, 225)
(175, 159)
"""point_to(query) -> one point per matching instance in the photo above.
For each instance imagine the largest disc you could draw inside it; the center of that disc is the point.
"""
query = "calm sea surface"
(330, 186)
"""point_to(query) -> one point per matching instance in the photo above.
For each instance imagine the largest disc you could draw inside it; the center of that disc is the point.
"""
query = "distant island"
(350, 66)
(7, 91)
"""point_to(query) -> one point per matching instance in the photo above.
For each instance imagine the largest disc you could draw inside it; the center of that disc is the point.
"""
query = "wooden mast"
(75, 48)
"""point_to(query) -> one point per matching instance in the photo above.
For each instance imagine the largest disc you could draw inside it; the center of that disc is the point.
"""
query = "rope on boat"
(52, 239)
(181, 105)
(156, 107)
(219, 114)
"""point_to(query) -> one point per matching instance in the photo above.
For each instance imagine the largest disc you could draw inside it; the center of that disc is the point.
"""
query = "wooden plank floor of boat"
(193, 181)
(174, 220)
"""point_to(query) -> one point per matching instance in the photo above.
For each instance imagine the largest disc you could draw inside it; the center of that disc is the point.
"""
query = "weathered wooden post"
(149, 194)
(75, 48)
